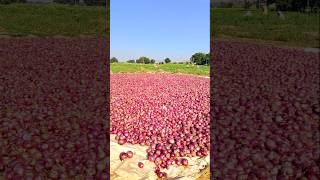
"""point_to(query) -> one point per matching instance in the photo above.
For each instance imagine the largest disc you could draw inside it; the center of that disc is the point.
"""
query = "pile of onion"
(265, 112)
(167, 113)
(53, 108)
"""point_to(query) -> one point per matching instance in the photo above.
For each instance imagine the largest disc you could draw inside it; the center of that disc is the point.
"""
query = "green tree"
(200, 58)
(152, 61)
(247, 4)
(147, 61)
(131, 61)
(167, 60)
(11, 1)
(95, 3)
(143, 60)
(295, 5)
(208, 59)
(114, 60)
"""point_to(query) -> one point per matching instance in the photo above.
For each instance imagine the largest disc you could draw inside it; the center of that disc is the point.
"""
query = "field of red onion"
(53, 105)
(169, 113)
(265, 108)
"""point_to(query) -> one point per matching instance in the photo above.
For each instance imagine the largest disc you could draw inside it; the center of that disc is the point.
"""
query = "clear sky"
(159, 28)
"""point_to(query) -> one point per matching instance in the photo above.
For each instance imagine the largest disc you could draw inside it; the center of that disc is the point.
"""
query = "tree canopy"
(143, 60)
(200, 58)
(114, 60)
(167, 60)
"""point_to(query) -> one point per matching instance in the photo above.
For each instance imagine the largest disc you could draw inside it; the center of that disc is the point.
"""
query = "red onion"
(123, 156)
(140, 164)
(130, 154)
(184, 162)
(162, 175)
(122, 141)
(151, 158)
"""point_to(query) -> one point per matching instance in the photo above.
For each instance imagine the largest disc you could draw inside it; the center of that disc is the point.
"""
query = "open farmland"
(265, 107)
(166, 113)
(297, 29)
(52, 108)
(53, 19)
(201, 70)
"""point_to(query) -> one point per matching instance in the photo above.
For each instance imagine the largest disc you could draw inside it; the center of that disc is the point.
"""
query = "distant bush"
(152, 61)
(226, 5)
(86, 2)
(247, 4)
(66, 1)
(113, 60)
(282, 6)
(131, 61)
(143, 60)
(296, 5)
(11, 1)
(315, 10)
(272, 7)
(95, 2)
(167, 60)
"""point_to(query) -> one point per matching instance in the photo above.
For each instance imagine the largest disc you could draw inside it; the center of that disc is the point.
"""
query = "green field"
(53, 19)
(170, 68)
(297, 29)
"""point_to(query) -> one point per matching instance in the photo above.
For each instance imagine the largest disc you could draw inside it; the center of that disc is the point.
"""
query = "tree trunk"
(264, 4)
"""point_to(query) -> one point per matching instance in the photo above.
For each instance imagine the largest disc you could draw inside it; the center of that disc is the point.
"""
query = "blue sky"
(159, 28)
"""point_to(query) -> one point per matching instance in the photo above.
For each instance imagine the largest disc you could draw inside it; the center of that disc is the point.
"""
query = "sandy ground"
(128, 169)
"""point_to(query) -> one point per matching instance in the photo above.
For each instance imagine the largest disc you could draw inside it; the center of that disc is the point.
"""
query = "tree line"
(278, 5)
(295, 5)
(197, 58)
(141, 60)
(70, 2)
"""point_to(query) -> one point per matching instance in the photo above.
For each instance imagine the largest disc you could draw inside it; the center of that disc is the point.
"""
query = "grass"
(53, 19)
(301, 30)
(297, 29)
(170, 68)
